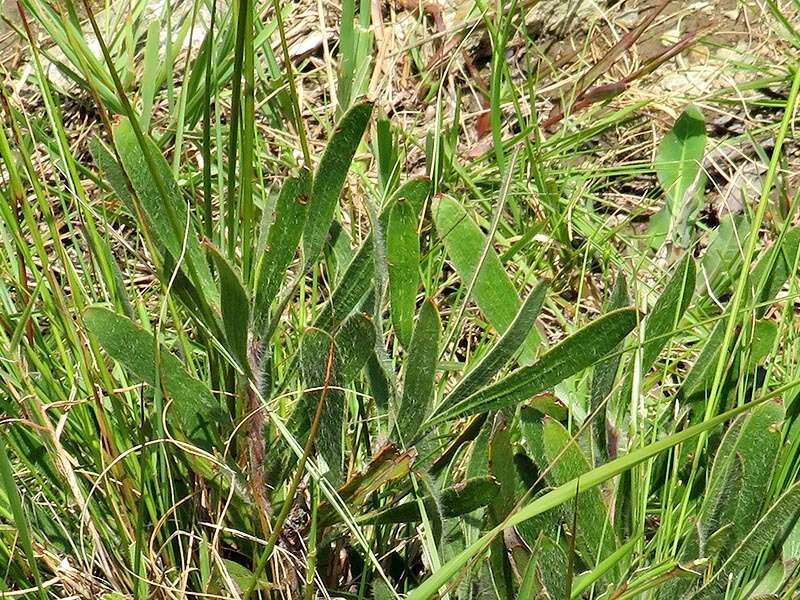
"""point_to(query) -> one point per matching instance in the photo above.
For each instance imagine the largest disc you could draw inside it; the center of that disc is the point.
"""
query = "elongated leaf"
(566, 492)
(321, 367)
(354, 285)
(756, 444)
(701, 374)
(358, 277)
(724, 255)
(493, 292)
(282, 242)
(502, 351)
(330, 177)
(605, 372)
(355, 341)
(235, 306)
(194, 409)
(553, 565)
(679, 166)
(402, 247)
(415, 191)
(577, 352)
(110, 168)
(420, 373)
(167, 217)
(773, 270)
(667, 311)
(566, 462)
(759, 538)
(454, 501)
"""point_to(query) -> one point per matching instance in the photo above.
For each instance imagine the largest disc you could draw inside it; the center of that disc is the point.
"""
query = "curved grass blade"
(420, 373)
(502, 351)
(330, 177)
(493, 291)
(577, 352)
(402, 247)
(196, 412)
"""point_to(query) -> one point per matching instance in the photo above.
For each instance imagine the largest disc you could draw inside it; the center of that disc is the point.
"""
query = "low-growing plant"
(220, 381)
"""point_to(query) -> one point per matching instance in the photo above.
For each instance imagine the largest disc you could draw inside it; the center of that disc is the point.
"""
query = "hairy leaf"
(580, 350)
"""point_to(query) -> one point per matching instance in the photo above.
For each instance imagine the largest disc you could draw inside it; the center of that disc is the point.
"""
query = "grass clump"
(288, 313)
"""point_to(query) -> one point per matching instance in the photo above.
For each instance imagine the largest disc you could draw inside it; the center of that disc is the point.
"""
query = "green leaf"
(595, 538)
(420, 373)
(701, 374)
(167, 218)
(283, 240)
(571, 356)
(354, 285)
(359, 275)
(355, 341)
(321, 367)
(666, 314)
(454, 501)
(235, 306)
(756, 443)
(773, 270)
(553, 566)
(759, 538)
(493, 291)
(402, 247)
(724, 255)
(194, 409)
(565, 493)
(415, 191)
(604, 375)
(330, 177)
(497, 357)
(679, 167)
(110, 168)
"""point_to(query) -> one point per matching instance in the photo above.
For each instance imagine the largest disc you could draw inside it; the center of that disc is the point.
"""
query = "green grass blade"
(18, 513)
(577, 352)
